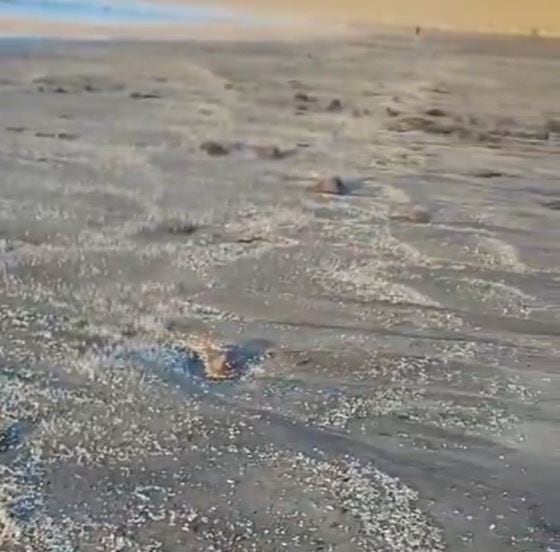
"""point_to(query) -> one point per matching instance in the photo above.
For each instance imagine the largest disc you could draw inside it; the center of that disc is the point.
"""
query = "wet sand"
(383, 369)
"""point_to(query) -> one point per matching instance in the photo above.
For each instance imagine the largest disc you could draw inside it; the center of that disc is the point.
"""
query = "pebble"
(215, 149)
(303, 97)
(270, 152)
(332, 185)
(436, 112)
(335, 106)
(488, 173)
(145, 95)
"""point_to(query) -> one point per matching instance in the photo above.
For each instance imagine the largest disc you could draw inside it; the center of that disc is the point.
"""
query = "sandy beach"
(280, 294)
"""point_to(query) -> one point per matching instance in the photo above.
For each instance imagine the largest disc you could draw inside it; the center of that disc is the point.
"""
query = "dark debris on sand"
(488, 173)
(172, 227)
(271, 152)
(333, 185)
(553, 205)
(145, 95)
(436, 112)
(303, 97)
(214, 149)
(335, 106)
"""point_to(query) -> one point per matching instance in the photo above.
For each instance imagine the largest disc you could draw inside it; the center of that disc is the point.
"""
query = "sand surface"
(393, 351)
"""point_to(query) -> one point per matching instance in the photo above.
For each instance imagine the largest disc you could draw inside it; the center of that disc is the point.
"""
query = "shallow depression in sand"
(190, 368)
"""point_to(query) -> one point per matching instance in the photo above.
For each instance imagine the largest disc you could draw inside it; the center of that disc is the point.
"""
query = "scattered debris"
(424, 124)
(488, 173)
(521, 134)
(75, 84)
(145, 95)
(67, 136)
(60, 135)
(271, 152)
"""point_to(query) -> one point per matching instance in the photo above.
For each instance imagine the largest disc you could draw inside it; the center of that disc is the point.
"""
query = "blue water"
(117, 11)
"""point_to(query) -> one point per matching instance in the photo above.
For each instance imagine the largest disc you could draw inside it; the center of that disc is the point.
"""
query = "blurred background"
(527, 17)
(521, 16)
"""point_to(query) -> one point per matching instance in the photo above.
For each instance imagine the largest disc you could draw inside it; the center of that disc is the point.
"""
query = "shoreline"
(280, 31)
(259, 30)
(247, 20)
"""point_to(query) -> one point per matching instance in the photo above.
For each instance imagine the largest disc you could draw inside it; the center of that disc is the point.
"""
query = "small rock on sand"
(303, 97)
(332, 185)
(436, 112)
(214, 149)
(488, 173)
(145, 95)
(335, 106)
(270, 152)
(424, 124)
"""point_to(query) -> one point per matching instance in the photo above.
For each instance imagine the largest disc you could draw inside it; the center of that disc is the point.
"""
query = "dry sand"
(394, 351)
